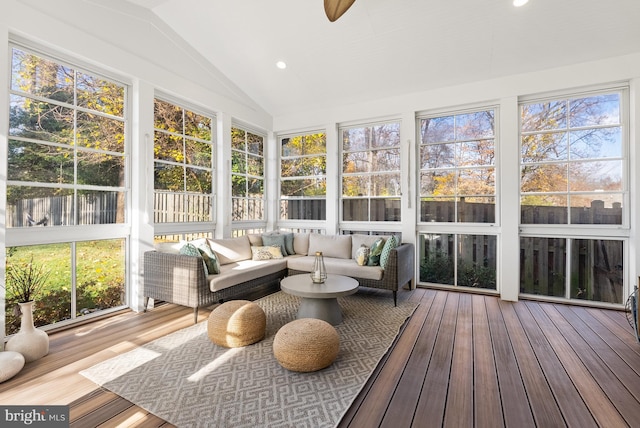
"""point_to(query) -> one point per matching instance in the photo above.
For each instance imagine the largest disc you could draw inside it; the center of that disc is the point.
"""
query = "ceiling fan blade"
(336, 8)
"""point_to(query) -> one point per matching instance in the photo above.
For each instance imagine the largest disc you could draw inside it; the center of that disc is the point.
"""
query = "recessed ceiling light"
(281, 65)
(518, 3)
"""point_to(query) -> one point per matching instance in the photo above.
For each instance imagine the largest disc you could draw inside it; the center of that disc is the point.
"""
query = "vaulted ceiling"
(381, 48)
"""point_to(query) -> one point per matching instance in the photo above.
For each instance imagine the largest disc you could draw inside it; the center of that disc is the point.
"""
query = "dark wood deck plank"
(574, 411)
(596, 400)
(625, 345)
(515, 404)
(460, 404)
(605, 366)
(403, 404)
(487, 402)
(542, 402)
(433, 399)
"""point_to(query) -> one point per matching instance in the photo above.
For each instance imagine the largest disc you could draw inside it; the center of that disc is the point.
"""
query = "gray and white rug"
(188, 381)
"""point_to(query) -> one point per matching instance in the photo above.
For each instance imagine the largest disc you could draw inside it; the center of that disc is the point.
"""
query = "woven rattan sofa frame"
(181, 280)
(398, 272)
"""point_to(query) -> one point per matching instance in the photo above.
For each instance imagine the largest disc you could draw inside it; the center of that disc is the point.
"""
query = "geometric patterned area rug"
(188, 381)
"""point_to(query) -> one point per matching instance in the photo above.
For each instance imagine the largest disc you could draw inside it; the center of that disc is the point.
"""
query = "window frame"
(193, 227)
(75, 187)
(383, 224)
(572, 232)
(457, 168)
(250, 223)
(568, 227)
(77, 234)
(322, 176)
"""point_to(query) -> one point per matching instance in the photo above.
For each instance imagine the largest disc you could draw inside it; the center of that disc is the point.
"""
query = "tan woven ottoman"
(237, 323)
(306, 345)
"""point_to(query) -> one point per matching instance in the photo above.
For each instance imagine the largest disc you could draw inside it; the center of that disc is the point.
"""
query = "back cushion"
(231, 250)
(301, 243)
(338, 246)
(168, 247)
(255, 239)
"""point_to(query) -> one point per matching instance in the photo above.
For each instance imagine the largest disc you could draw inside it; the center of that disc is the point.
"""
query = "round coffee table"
(319, 300)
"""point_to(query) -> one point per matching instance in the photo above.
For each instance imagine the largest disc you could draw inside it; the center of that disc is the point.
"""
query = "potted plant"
(23, 283)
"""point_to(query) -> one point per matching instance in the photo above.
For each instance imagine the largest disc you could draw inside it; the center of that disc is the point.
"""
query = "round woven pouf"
(306, 345)
(237, 323)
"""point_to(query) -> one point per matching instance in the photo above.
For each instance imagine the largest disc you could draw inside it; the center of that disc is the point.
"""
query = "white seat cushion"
(244, 270)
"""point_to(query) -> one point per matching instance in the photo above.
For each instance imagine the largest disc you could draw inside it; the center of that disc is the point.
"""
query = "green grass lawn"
(99, 279)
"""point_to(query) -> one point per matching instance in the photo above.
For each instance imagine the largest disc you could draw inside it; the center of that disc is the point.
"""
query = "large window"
(66, 157)
(303, 182)
(184, 159)
(573, 185)
(458, 189)
(247, 175)
(66, 173)
(572, 160)
(371, 185)
(457, 169)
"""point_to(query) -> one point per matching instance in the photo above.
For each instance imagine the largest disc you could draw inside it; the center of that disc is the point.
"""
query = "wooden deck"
(463, 360)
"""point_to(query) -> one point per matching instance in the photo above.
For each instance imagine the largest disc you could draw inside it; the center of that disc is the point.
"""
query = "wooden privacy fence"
(596, 268)
(171, 207)
(473, 212)
(303, 209)
(470, 248)
(93, 208)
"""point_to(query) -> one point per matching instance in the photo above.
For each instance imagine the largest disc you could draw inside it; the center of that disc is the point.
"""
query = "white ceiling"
(382, 48)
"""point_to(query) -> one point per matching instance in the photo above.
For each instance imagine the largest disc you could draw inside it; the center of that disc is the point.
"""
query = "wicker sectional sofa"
(182, 279)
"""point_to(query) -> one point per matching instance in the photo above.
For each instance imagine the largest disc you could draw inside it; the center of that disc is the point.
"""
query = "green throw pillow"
(210, 259)
(392, 242)
(375, 251)
(189, 250)
(278, 240)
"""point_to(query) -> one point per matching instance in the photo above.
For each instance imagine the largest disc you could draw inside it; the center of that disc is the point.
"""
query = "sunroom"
(500, 141)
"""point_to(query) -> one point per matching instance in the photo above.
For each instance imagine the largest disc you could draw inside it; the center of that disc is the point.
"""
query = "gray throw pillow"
(278, 240)
(288, 243)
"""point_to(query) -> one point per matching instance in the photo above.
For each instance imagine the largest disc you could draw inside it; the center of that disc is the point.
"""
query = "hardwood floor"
(461, 360)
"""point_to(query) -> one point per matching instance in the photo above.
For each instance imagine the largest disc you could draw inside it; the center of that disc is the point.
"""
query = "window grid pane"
(247, 175)
(66, 152)
(183, 170)
(371, 185)
(572, 146)
(303, 183)
(457, 173)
